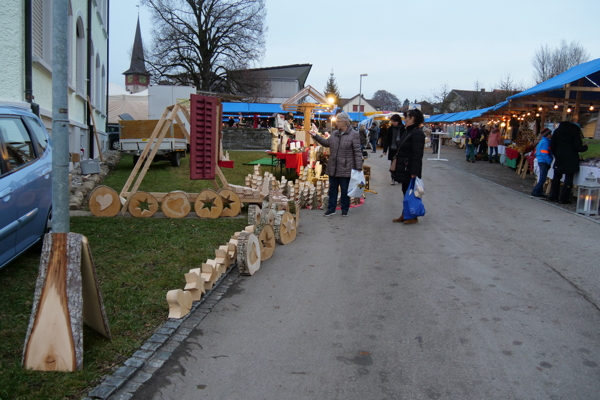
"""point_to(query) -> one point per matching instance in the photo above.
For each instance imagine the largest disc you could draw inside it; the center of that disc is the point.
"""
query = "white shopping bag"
(356, 187)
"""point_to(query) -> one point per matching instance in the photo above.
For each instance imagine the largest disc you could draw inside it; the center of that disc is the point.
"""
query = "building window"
(354, 108)
(80, 58)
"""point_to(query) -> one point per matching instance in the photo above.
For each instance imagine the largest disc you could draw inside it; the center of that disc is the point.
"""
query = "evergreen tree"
(406, 102)
(331, 89)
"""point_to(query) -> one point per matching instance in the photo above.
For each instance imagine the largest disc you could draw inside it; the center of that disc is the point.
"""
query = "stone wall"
(246, 139)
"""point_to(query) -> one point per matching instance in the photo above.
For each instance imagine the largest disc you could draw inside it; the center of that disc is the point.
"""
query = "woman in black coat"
(566, 144)
(409, 158)
(392, 138)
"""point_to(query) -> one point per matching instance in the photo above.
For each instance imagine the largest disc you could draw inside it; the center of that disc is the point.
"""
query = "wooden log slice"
(248, 253)
(254, 214)
(285, 227)
(104, 202)
(208, 204)
(266, 238)
(142, 205)
(232, 205)
(176, 205)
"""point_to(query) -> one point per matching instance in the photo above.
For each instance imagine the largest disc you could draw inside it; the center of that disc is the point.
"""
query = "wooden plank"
(143, 129)
(95, 131)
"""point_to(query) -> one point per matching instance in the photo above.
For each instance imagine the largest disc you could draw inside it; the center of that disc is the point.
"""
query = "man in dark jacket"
(345, 155)
(566, 144)
(392, 138)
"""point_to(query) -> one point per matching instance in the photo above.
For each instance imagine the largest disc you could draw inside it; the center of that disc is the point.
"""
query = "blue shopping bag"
(413, 206)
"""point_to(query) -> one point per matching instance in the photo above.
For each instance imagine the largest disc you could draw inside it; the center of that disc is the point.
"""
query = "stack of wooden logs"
(256, 243)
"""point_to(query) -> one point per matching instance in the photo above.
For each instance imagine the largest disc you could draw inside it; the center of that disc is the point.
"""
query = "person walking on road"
(472, 142)
(392, 138)
(373, 136)
(409, 157)
(566, 144)
(493, 143)
(345, 155)
(544, 157)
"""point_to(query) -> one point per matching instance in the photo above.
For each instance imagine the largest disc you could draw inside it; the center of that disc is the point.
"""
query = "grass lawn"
(137, 261)
(593, 148)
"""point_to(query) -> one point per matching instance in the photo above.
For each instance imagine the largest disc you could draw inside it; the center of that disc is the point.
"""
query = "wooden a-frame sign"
(66, 295)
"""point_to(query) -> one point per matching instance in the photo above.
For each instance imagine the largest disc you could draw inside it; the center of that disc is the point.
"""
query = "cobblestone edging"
(140, 367)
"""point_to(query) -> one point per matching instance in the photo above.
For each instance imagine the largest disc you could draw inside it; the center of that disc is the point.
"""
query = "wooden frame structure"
(308, 108)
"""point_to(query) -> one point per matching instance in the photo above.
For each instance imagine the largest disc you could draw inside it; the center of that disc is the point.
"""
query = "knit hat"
(546, 132)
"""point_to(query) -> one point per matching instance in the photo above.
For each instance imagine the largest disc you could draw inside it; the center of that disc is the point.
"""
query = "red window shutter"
(354, 108)
(203, 136)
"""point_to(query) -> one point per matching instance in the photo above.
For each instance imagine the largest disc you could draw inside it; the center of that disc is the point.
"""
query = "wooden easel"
(145, 160)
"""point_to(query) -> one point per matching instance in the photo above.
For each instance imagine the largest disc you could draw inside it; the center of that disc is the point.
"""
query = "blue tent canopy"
(589, 72)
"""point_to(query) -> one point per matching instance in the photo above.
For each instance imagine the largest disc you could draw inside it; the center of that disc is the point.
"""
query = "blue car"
(25, 181)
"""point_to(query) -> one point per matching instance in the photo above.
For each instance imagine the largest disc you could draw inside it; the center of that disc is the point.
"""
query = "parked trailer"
(135, 136)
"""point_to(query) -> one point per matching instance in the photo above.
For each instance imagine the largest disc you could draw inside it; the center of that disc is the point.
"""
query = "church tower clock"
(137, 77)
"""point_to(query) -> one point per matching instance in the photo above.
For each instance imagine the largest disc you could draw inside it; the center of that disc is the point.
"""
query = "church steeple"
(137, 77)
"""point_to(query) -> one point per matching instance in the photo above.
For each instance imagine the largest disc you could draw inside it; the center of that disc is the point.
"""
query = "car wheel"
(176, 159)
(115, 145)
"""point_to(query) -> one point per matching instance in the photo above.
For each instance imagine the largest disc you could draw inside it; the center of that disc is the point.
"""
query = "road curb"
(140, 367)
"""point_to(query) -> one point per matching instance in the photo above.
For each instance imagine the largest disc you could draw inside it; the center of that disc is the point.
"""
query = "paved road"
(493, 295)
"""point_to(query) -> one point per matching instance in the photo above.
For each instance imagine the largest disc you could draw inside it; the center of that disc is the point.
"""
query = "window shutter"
(204, 112)
(37, 17)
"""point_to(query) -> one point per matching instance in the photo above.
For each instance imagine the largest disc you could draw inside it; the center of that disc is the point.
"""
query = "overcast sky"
(407, 48)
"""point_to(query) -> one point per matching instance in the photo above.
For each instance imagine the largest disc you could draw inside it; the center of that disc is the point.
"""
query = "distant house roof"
(137, 66)
(293, 71)
(376, 104)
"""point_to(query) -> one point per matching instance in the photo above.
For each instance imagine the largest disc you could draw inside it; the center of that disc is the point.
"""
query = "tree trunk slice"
(266, 238)
(285, 227)
(54, 340)
(180, 303)
(176, 205)
(94, 314)
(208, 204)
(104, 202)
(142, 205)
(232, 205)
(254, 214)
(248, 257)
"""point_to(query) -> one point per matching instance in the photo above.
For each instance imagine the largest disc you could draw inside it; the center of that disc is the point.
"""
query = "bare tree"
(388, 101)
(252, 84)
(440, 100)
(199, 42)
(548, 63)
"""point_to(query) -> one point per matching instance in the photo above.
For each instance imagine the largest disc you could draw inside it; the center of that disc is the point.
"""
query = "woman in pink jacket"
(493, 143)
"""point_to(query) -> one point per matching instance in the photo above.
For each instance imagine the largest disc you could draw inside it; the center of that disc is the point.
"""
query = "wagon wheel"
(104, 202)
(142, 204)
(208, 204)
(176, 205)
(266, 239)
(232, 206)
(248, 253)
(285, 227)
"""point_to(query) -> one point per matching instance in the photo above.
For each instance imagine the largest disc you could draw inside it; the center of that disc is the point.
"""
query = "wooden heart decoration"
(176, 205)
(104, 201)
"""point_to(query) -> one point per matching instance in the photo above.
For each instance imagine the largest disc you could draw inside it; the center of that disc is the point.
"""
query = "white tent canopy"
(122, 102)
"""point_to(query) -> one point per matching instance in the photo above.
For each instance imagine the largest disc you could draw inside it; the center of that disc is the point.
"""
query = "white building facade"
(87, 65)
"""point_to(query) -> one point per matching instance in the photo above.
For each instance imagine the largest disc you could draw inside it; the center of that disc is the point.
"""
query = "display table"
(291, 160)
(440, 134)
(579, 177)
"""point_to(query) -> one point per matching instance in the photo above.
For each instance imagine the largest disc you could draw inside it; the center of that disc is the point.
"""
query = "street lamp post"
(360, 95)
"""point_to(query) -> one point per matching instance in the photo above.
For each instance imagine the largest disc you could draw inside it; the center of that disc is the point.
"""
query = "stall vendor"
(288, 131)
